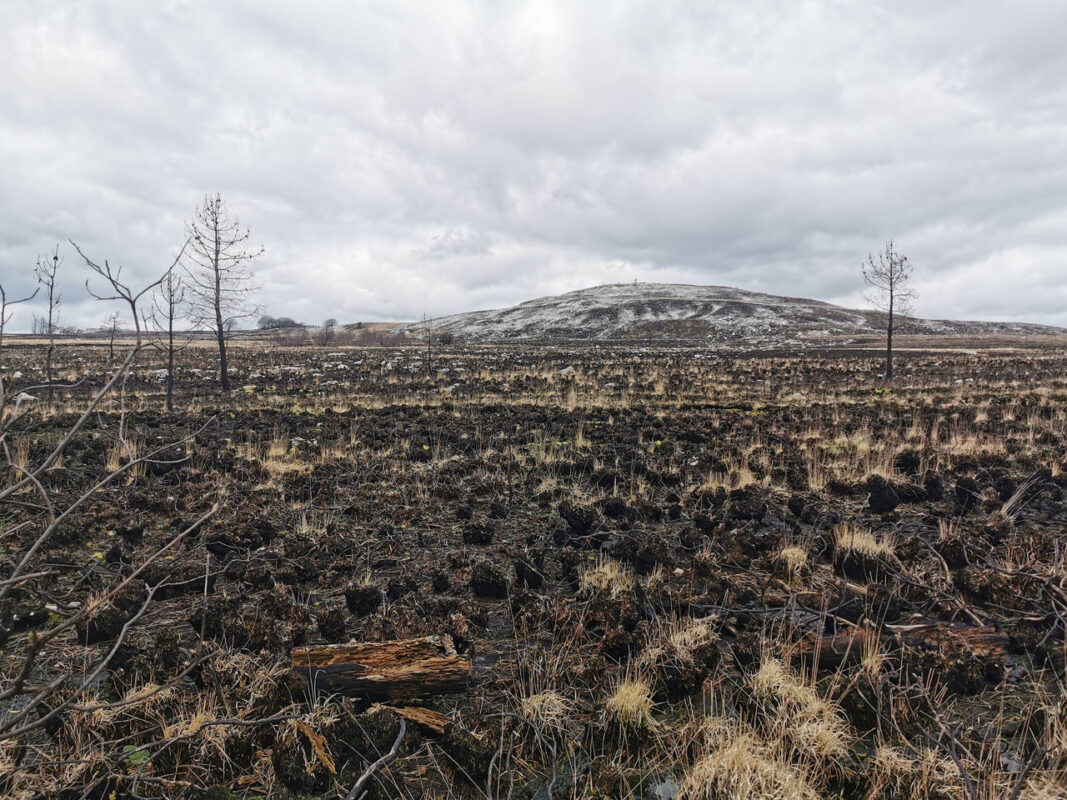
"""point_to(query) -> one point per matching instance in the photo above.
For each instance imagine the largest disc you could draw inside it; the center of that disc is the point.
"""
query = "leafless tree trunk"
(217, 265)
(166, 308)
(46, 270)
(111, 325)
(327, 331)
(890, 278)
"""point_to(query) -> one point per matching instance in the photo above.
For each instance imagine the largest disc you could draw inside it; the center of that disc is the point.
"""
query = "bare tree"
(46, 269)
(327, 331)
(111, 327)
(220, 283)
(890, 277)
(5, 304)
(167, 306)
(32, 704)
(269, 323)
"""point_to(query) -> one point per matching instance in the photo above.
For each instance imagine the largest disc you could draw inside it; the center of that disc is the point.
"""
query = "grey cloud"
(405, 158)
(454, 242)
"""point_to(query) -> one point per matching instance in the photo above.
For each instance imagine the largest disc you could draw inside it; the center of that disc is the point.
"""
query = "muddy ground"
(675, 574)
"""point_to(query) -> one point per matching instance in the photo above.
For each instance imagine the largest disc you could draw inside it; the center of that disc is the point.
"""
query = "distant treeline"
(284, 331)
(279, 330)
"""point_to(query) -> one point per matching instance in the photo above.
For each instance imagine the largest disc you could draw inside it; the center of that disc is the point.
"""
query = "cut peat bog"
(539, 570)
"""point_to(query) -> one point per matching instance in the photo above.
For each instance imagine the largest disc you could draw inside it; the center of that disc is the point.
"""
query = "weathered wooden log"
(399, 670)
(832, 650)
(851, 644)
(981, 640)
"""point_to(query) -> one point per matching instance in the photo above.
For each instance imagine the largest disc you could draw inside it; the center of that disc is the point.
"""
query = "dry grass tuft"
(630, 706)
(607, 576)
(894, 773)
(793, 560)
(773, 681)
(1014, 505)
(691, 635)
(810, 724)
(818, 470)
(1045, 788)
(849, 538)
(742, 767)
(547, 710)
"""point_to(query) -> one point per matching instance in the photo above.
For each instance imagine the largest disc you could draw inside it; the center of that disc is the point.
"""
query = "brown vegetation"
(669, 574)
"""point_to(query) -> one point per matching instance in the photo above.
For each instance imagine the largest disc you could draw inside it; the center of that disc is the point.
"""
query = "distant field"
(345, 335)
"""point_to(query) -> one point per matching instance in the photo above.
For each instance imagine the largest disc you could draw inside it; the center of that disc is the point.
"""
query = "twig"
(381, 762)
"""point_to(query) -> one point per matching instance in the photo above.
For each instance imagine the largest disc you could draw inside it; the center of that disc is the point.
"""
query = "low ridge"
(717, 314)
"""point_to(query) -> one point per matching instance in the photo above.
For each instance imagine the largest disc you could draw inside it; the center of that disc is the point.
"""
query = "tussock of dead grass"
(277, 467)
(679, 641)
(1045, 788)
(657, 579)
(1013, 506)
(894, 773)
(818, 471)
(148, 698)
(810, 724)
(630, 705)
(546, 710)
(793, 742)
(607, 576)
(209, 738)
(690, 635)
(774, 681)
(793, 559)
(849, 538)
(740, 766)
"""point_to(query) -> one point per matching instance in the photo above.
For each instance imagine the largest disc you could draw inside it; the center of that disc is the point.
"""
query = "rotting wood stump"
(406, 669)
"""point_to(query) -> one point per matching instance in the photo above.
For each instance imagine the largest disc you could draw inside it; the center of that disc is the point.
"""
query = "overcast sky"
(399, 158)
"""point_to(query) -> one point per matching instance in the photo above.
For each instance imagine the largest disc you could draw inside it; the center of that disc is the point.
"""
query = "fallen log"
(399, 670)
(830, 651)
(850, 646)
(982, 640)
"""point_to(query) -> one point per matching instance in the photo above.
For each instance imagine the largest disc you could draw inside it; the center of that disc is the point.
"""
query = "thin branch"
(381, 762)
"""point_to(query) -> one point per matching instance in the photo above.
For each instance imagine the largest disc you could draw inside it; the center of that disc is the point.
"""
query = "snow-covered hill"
(657, 311)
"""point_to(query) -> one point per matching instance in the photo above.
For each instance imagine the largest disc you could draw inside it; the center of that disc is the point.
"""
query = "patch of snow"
(715, 314)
